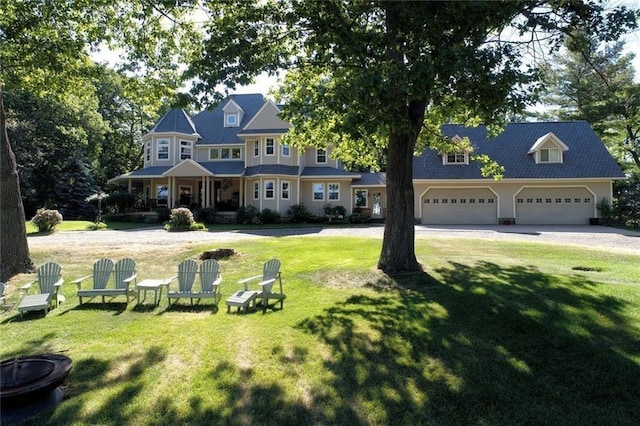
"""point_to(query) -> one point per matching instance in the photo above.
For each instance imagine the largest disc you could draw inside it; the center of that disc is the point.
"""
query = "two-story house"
(231, 156)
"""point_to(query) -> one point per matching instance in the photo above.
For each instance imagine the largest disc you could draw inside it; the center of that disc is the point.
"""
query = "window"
(318, 191)
(333, 191)
(456, 158)
(321, 156)
(256, 190)
(530, 200)
(576, 200)
(481, 200)
(490, 200)
(520, 200)
(463, 201)
(269, 186)
(538, 200)
(214, 154)
(162, 193)
(231, 120)
(445, 200)
(269, 147)
(186, 148)
(547, 200)
(256, 148)
(361, 198)
(426, 201)
(567, 200)
(225, 153)
(558, 200)
(163, 149)
(472, 200)
(454, 201)
(550, 155)
(147, 156)
(284, 190)
(436, 201)
(236, 153)
(286, 150)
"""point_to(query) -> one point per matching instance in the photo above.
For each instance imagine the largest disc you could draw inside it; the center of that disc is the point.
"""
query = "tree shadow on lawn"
(486, 345)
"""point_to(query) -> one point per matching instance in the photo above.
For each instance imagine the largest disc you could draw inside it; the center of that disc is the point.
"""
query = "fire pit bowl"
(27, 379)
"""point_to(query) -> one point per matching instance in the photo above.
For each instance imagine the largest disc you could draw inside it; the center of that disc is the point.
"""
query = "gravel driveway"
(601, 237)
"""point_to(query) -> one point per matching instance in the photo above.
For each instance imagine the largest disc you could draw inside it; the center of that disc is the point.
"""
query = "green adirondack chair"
(49, 282)
(187, 271)
(102, 270)
(270, 273)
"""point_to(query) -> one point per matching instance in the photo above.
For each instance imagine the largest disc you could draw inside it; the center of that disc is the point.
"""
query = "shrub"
(359, 218)
(299, 213)
(181, 219)
(120, 202)
(46, 220)
(206, 215)
(248, 214)
(96, 226)
(270, 216)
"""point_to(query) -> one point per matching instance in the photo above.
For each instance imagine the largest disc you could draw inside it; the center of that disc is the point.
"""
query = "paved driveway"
(587, 236)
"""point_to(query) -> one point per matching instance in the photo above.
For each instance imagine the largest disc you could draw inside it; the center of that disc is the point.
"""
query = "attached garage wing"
(456, 206)
(554, 206)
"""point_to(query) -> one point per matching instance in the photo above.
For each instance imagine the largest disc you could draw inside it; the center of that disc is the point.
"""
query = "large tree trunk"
(398, 246)
(14, 250)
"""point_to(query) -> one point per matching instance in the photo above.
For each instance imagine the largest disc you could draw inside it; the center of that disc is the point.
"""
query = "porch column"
(241, 196)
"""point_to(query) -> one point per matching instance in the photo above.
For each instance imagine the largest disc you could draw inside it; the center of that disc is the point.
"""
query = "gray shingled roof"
(371, 179)
(210, 124)
(175, 120)
(221, 168)
(587, 156)
(150, 171)
(327, 171)
(272, 169)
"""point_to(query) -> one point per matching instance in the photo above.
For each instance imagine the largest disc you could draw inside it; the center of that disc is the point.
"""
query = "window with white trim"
(214, 154)
(321, 156)
(550, 155)
(256, 190)
(163, 149)
(333, 192)
(236, 153)
(186, 149)
(269, 189)
(225, 153)
(284, 189)
(147, 156)
(231, 120)
(361, 198)
(256, 148)
(456, 158)
(269, 147)
(286, 151)
(318, 192)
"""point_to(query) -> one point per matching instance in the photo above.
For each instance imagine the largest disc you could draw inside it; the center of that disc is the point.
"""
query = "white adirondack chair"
(270, 273)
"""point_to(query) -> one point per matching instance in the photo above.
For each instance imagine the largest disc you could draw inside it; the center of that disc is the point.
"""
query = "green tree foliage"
(44, 47)
(594, 81)
(369, 77)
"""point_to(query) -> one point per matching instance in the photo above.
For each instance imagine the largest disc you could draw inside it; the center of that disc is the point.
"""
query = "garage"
(557, 206)
(456, 206)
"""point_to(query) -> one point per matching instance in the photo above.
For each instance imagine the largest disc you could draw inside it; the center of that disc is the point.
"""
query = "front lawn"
(495, 333)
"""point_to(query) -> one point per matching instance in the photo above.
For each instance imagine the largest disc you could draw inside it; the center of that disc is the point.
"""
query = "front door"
(376, 205)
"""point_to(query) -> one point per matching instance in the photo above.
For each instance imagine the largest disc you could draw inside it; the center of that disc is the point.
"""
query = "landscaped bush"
(46, 220)
(270, 216)
(334, 211)
(205, 215)
(164, 214)
(120, 202)
(248, 215)
(626, 201)
(181, 219)
(359, 218)
(96, 226)
(299, 214)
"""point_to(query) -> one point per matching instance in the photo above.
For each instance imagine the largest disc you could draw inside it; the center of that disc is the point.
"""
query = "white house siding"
(277, 204)
(317, 206)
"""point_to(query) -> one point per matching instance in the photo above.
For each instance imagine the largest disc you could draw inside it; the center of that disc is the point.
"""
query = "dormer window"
(456, 158)
(231, 120)
(550, 155)
(548, 149)
(321, 156)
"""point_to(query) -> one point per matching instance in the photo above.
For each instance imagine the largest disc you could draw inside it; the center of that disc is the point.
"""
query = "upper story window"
(269, 148)
(550, 155)
(256, 148)
(225, 153)
(548, 149)
(186, 149)
(231, 120)
(147, 152)
(286, 150)
(321, 155)
(455, 158)
(163, 149)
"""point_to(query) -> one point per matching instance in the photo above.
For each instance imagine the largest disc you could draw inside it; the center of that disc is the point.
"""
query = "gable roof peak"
(549, 137)
(175, 120)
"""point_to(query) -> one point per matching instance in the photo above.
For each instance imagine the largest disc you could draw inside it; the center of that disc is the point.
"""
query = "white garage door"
(459, 206)
(554, 206)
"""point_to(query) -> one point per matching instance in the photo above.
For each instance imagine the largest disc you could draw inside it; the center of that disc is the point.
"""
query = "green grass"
(497, 333)
(83, 225)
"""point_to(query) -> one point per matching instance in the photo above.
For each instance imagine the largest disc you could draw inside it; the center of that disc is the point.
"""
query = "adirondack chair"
(102, 270)
(125, 274)
(270, 273)
(50, 282)
(210, 280)
(187, 271)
